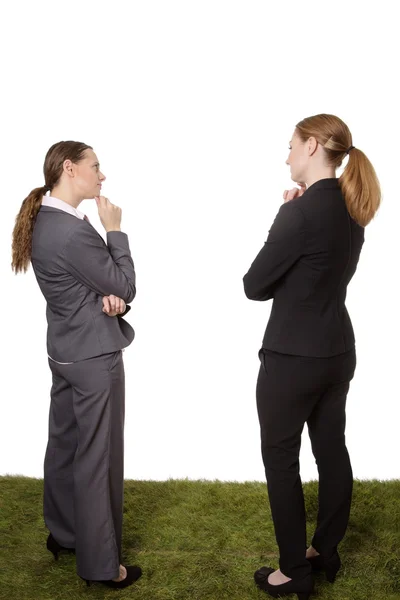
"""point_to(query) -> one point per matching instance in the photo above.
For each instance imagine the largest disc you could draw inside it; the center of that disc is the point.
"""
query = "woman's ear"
(67, 166)
(312, 145)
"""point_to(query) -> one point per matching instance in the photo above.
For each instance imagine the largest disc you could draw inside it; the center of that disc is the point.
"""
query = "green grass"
(198, 540)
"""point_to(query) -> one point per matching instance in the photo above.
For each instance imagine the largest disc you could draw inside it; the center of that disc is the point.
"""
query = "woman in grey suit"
(308, 352)
(87, 285)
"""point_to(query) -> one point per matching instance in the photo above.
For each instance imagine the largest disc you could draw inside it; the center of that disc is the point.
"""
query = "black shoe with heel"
(302, 587)
(54, 547)
(330, 565)
(132, 575)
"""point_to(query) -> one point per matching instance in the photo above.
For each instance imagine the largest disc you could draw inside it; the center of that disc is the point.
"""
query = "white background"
(190, 107)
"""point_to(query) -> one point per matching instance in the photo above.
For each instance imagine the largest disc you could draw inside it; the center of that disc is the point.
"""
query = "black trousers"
(292, 391)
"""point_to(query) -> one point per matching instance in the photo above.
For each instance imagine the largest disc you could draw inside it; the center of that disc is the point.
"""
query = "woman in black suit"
(308, 353)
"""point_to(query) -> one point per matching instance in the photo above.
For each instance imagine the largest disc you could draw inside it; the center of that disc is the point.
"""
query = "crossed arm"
(284, 247)
(102, 267)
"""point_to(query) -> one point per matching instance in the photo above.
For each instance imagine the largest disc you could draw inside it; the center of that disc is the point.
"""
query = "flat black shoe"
(302, 587)
(331, 565)
(132, 575)
(55, 547)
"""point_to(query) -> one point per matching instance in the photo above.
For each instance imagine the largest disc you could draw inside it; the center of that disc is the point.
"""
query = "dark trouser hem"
(100, 576)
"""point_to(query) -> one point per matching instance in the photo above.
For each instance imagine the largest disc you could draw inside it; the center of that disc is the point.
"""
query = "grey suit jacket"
(75, 269)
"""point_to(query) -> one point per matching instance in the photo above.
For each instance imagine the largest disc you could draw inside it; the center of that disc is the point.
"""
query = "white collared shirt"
(61, 205)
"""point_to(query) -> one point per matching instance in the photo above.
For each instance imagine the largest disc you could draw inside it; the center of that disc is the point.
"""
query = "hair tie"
(350, 148)
(46, 188)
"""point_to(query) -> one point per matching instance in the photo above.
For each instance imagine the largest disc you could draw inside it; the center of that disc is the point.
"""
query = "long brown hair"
(25, 220)
(359, 182)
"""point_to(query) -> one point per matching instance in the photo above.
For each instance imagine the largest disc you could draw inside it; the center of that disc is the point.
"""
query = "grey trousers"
(83, 468)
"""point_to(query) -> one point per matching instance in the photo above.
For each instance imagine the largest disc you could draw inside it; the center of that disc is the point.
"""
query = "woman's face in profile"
(87, 176)
(298, 158)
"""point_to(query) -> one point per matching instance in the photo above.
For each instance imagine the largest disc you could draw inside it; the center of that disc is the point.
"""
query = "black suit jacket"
(308, 260)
